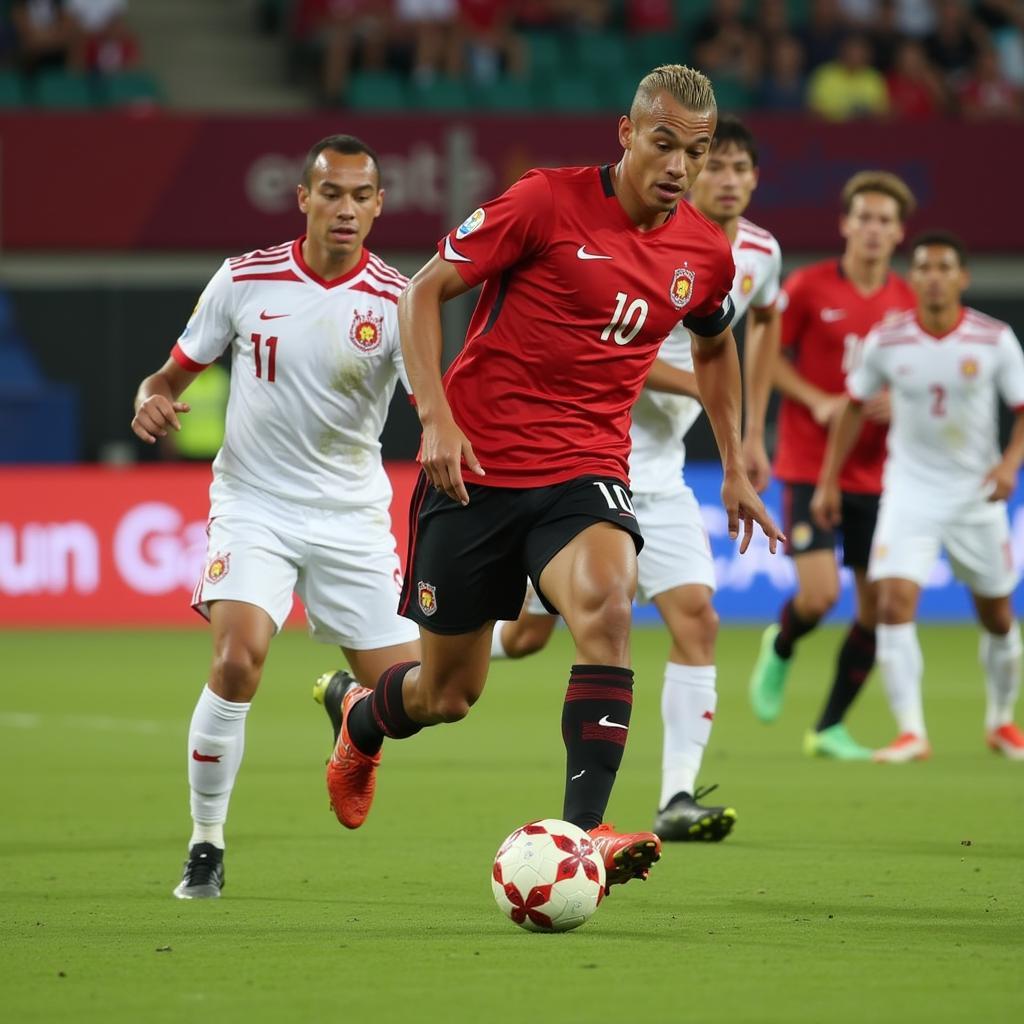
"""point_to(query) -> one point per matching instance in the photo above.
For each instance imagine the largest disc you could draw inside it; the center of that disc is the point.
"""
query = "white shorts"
(676, 551)
(909, 534)
(342, 564)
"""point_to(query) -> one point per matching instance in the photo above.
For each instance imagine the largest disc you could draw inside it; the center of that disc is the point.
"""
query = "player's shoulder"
(274, 263)
(384, 280)
(750, 236)
(897, 329)
(813, 277)
(981, 326)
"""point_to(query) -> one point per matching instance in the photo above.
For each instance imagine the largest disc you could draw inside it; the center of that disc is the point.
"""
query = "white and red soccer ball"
(548, 876)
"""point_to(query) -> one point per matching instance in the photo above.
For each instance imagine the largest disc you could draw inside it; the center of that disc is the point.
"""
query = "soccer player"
(945, 484)
(299, 500)
(525, 443)
(675, 568)
(827, 309)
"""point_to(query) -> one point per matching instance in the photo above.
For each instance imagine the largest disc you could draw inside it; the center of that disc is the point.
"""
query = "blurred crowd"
(840, 59)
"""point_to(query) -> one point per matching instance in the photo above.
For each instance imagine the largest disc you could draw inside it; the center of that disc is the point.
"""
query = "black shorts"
(859, 513)
(469, 564)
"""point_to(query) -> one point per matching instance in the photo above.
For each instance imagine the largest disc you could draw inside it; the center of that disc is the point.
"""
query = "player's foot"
(351, 774)
(328, 691)
(768, 680)
(837, 743)
(683, 819)
(626, 854)
(1007, 740)
(906, 747)
(204, 873)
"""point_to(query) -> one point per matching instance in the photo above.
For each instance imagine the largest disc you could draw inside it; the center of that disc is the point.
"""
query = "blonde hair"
(885, 183)
(686, 85)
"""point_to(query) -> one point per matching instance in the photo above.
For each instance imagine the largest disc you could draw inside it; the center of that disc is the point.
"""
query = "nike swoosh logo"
(611, 725)
(580, 776)
(214, 758)
(582, 254)
(272, 316)
(828, 315)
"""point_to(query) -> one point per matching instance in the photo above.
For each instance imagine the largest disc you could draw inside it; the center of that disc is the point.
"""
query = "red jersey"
(824, 322)
(575, 304)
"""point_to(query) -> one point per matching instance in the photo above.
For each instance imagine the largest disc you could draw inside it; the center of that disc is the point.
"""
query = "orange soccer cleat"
(351, 774)
(626, 854)
(906, 747)
(1007, 740)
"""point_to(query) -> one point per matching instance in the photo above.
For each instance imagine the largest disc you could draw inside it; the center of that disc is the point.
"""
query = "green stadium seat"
(129, 88)
(732, 96)
(548, 56)
(601, 52)
(575, 94)
(12, 90)
(506, 94)
(62, 90)
(652, 49)
(443, 94)
(371, 90)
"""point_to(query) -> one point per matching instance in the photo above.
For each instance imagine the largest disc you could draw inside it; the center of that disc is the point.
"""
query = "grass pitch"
(848, 892)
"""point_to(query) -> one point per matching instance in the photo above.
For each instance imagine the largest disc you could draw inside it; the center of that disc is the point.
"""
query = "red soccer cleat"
(351, 774)
(906, 747)
(626, 854)
(1007, 740)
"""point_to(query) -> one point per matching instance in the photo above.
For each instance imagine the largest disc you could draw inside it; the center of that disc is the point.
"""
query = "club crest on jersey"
(427, 595)
(366, 331)
(969, 368)
(218, 568)
(471, 223)
(682, 287)
(746, 284)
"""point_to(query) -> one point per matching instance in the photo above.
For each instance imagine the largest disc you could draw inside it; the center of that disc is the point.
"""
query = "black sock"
(791, 628)
(856, 658)
(382, 713)
(595, 723)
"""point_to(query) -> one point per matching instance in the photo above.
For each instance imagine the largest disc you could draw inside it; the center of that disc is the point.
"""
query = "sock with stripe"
(791, 628)
(383, 712)
(856, 659)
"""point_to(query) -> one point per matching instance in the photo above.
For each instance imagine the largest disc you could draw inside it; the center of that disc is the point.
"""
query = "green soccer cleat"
(328, 691)
(835, 742)
(768, 680)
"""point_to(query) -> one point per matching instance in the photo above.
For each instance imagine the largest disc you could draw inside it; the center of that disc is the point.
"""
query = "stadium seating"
(63, 90)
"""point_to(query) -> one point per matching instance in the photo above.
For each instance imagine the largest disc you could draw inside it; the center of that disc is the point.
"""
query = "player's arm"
(419, 328)
(1001, 479)
(822, 405)
(760, 354)
(156, 401)
(666, 377)
(842, 436)
(717, 369)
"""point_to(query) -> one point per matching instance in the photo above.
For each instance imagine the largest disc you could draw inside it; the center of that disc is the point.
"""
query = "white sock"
(1000, 657)
(497, 648)
(688, 702)
(216, 740)
(899, 658)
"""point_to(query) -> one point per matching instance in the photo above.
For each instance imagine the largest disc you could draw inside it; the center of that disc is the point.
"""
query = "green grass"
(848, 892)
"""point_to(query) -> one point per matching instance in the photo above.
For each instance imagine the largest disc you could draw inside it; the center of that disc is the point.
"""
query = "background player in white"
(945, 484)
(299, 500)
(676, 569)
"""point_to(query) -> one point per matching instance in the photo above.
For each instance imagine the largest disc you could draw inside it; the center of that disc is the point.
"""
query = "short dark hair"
(883, 182)
(944, 238)
(731, 131)
(347, 144)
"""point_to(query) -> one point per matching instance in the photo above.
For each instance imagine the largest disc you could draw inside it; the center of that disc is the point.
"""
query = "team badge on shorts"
(366, 331)
(746, 283)
(969, 368)
(218, 568)
(682, 287)
(427, 594)
(801, 536)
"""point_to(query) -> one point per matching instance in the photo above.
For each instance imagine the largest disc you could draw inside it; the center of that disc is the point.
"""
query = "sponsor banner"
(228, 183)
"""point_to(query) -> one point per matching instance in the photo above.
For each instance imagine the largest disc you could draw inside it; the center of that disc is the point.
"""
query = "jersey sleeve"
(766, 295)
(503, 232)
(1010, 380)
(210, 328)
(793, 309)
(868, 376)
(713, 315)
(394, 342)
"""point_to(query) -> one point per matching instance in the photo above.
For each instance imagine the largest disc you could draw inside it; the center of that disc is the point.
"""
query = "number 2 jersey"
(576, 301)
(824, 322)
(313, 367)
(944, 434)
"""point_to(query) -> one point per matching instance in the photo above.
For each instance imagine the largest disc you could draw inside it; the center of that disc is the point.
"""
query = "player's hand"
(999, 483)
(826, 506)
(445, 447)
(826, 408)
(155, 415)
(743, 505)
(878, 408)
(755, 458)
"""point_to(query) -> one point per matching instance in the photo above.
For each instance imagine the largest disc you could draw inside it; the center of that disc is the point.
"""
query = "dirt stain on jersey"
(349, 377)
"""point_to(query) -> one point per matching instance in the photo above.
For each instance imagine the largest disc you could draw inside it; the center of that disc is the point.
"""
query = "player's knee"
(526, 640)
(893, 608)
(608, 616)
(451, 707)
(817, 603)
(236, 671)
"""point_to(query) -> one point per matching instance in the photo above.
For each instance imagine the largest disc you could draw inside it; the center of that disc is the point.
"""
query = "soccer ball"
(548, 876)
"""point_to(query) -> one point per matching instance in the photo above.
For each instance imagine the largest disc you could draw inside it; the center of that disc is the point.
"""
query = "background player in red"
(828, 308)
(584, 272)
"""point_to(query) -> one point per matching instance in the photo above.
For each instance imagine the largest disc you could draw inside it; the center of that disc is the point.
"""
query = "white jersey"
(661, 420)
(944, 436)
(313, 368)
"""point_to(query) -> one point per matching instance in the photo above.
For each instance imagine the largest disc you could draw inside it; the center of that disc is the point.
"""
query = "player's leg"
(830, 737)
(813, 552)
(530, 633)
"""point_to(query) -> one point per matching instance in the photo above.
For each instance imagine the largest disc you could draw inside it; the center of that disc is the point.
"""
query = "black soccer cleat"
(204, 873)
(328, 691)
(685, 820)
